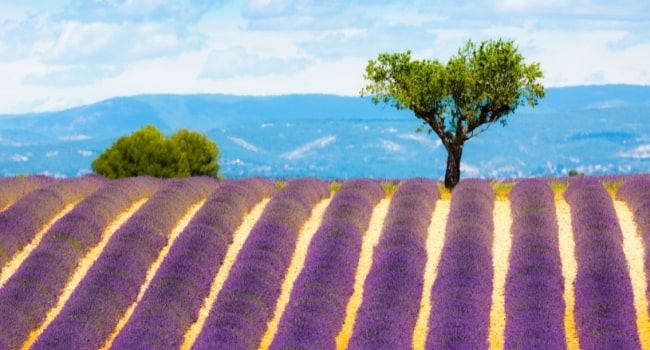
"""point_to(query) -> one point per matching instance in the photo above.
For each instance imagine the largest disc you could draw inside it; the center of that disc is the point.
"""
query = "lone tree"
(478, 86)
(148, 152)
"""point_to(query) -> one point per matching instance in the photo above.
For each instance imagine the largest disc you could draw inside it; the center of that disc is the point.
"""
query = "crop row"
(317, 305)
(604, 303)
(167, 304)
(636, 192)
(534, 284)
(161, 317)
(393, 288)
(113, 282)
(247, 299)
(21, 221)
(461, 295)
(13, 188)
(34, 288)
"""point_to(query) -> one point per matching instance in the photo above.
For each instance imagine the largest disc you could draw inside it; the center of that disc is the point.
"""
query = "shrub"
(148, 152)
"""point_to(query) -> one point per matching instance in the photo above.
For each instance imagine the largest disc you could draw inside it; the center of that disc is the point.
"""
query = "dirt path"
(633, 248)
(239, 237)
(12, 265)
(569, 269)
(82, 268)
(370, 239)
(176, 231)
(297, 261)
(435, 241)
(500, 255)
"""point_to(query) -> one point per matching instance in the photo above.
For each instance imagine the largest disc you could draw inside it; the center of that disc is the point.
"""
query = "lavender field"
(252, 263)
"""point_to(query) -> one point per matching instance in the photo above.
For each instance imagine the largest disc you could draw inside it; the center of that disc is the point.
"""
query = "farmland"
(200, 263)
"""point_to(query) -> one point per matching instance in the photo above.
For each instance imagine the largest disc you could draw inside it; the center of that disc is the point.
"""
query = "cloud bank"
(59, 54)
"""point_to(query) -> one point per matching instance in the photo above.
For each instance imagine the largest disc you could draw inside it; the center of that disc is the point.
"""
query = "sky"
(59, 54)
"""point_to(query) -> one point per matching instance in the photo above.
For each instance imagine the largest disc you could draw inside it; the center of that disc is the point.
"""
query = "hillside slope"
(592, 129)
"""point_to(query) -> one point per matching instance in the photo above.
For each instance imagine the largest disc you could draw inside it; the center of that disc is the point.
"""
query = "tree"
(458, 100)
(148, 152)
(201, 153)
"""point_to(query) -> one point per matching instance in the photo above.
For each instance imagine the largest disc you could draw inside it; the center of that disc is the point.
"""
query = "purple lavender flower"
(462, 291)
(393, 287)
(14, 188)
(317, 305)
(113, 282)
(534, 284)
(604, 306)
(20, 222)
(247, 299)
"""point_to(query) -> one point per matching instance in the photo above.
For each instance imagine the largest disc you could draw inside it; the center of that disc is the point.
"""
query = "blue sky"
(57, 54)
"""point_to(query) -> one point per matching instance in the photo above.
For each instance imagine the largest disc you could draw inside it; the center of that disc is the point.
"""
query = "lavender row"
(534, 289)
(21, 221)
(604, 305)
(113, 282)
(35, 287)
(461, 295)
(317, 305)
(636, 193)
(393, 288)
(172, 301)
(246, 301)
(13, 188)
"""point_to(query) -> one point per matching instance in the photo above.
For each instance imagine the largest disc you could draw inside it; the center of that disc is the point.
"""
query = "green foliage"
(574, 172)
(148, 152)
(201, 153)
(458, 100)
(502, 189)
(335, 186)
(389, 187)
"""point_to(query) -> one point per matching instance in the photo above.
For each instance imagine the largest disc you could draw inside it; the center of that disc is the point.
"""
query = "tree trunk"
(452, 175)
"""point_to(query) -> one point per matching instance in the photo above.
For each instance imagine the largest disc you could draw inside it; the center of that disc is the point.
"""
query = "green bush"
(148, 152)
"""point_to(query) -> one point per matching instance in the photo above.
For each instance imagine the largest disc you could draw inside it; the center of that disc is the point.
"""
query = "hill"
(592, 129)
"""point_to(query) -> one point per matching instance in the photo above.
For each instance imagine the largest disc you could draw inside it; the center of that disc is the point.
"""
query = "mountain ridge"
(596, 129)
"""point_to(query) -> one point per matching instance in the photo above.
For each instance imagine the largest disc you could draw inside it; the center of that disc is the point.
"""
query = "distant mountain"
(593, 129)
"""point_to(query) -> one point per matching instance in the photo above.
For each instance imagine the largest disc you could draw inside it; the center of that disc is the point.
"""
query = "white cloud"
(237, 62)
(50, 154)
(138, 10)
(268, 8)
(639, 152)
(73, 76)
(57, 55)
(113, 43)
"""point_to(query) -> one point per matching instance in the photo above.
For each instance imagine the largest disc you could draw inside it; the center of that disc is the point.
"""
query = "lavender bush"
(20, 222)
(113, 282)
(461, 295)
(636, 193)
(53, 262)
(173, 299)
(604, 306)
(534, 302)
(247, 299)
(393, 287)
(13, 188)
(317, 305)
